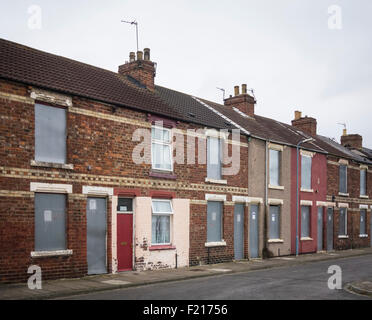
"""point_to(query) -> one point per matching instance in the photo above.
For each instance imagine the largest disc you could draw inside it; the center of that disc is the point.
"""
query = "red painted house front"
(311, 198)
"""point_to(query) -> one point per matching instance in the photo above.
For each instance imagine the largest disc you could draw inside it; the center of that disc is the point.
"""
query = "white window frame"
(344, 234)
(311, 167)
(340, 192)
(365, 182)
(170, 214)
(279, 167)
(161, 142)
(220, 154)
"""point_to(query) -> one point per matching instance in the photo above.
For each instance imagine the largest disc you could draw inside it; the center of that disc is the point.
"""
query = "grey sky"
(281, 48)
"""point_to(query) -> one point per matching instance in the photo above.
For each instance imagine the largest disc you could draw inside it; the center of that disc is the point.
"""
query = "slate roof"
(44, 70)
(49, 71)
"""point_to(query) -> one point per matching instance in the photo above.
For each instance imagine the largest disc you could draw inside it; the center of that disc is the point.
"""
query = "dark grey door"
(330, 229)
(253, 231)
(320, 229)
(96, 235)
(239, 231)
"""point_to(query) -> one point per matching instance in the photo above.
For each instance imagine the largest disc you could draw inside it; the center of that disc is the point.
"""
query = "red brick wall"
(106, 147)
(353, 200)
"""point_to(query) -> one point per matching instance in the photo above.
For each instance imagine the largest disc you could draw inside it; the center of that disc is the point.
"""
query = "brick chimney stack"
(305, 124)
(352, 141)
(142, 69)
(242, 101)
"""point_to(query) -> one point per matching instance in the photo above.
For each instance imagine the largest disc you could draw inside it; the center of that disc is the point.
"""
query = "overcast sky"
(284, 49)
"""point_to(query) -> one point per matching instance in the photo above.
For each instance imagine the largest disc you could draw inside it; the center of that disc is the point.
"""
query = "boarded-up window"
(161, 151)
(214, 158)
(306, 172)
(363, 182)
(50, 222)
(363, 216)
(274, 162)
(161, 220)
(343, 222)
(214, 221)
(305, 221)
(343, 178)
(274, 226)
(50, 134)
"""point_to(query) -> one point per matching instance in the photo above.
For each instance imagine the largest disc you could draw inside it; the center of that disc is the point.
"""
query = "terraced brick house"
(347, 219)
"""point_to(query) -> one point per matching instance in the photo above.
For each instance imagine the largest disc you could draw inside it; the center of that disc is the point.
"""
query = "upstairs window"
(274, 162)
(161, 149)
(306, 172)
(161, 221)
(50, 134)
(343, 178)
(363, 182)
(214, 158)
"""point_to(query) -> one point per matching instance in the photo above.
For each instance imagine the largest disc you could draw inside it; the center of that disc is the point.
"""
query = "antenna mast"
(223, 90)
(136, 24)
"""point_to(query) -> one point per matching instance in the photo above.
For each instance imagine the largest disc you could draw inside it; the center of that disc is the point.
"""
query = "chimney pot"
(132, 56)
(244, 88)
(344, 132)
(236, 90)
(146, 54)
(139, 55)
(298, 115)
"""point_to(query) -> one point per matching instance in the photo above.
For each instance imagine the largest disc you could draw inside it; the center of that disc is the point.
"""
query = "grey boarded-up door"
(239, 231)
(253, 231)
(329, 229)
(96, 235)
(320, 229)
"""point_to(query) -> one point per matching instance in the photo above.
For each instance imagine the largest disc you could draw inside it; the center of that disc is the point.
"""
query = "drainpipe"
(297, 192)
(266, 200)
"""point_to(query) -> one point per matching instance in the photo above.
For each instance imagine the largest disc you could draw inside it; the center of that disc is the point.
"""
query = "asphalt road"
(306, 281)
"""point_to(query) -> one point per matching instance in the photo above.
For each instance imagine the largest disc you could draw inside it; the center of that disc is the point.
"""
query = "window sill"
(35, 163)
(56, 253)
(364, 196)
(215, 244)
(306, 239)
(363, 236)
(275, 241)
(343, 194)
(219, 181)
(276, 187)
(162, 247)
(307, 190)
(162, 174)
(343, 237)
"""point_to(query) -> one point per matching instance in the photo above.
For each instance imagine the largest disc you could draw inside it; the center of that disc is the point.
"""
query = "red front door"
(124, 241)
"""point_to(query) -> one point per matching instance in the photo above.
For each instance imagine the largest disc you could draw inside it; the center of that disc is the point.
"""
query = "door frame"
(100, 192)
(133, 213)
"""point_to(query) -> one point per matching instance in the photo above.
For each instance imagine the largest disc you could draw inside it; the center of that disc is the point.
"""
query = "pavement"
(360, 287)
(52, 289)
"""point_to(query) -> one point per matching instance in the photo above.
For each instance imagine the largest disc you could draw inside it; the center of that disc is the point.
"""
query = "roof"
(48, 71)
